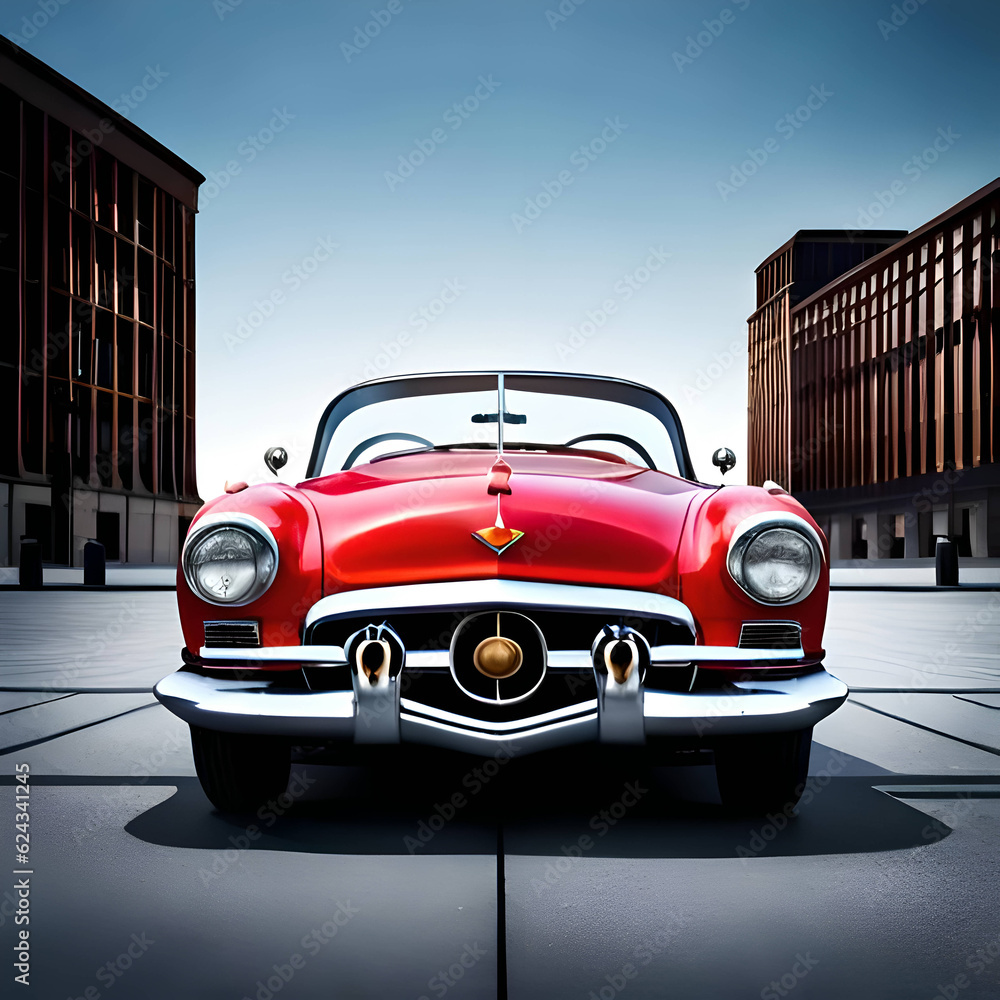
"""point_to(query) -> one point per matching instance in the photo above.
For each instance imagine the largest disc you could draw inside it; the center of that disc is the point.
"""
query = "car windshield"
(540, 412)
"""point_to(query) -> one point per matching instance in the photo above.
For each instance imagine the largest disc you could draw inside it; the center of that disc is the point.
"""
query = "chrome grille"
(563, 630)
(771, 635)
(226, 635)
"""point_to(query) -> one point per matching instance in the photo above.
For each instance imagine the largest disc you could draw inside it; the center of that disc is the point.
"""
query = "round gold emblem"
(497, 657)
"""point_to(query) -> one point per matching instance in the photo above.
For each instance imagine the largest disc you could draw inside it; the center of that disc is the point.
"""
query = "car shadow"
(545, 805)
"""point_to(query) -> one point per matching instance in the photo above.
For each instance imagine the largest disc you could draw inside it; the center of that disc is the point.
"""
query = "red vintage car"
(502, 560)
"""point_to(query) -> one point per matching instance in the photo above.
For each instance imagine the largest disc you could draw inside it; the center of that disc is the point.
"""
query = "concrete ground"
(567, 875)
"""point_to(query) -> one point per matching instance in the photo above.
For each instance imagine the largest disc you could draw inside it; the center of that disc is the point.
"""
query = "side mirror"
(276, 458)
(724, 459)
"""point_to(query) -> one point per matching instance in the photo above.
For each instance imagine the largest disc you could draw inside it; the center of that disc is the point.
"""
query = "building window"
(126, 439)
(38, 525)
(104, 349)
(126, 202)
(144, 285)
(145, 386)
(126, 278)
(83, 190)
(104, 194)
(898, 546)
(106, 452)
(126, 337)
(81, 435)
(964, 522)
(859, 542)
(60, 158)
(109, 533)
(58, 248)
(144, 442)
(144, 214)
(32, 420)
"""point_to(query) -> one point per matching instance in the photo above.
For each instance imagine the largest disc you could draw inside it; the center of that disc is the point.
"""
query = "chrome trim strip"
(438, 659)
(277, 654)
(497, 593)
(480, 725)
(558, 658)
(427, 658)
(496, 737)
(569, 659)
(561, 735)
(720, 654)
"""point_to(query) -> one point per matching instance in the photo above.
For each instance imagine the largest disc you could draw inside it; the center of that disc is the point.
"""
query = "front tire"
(239, 773)
(760, 774)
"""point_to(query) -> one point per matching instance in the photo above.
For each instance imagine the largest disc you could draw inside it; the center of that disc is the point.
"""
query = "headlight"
(230, 558)
(775, 558)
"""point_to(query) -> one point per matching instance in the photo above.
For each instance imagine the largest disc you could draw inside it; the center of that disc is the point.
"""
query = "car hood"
(587, 518)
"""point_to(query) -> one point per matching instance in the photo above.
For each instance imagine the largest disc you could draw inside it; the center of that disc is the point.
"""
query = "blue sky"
(593, 164)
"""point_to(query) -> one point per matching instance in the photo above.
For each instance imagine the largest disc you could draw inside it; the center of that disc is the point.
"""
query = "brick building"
(96, 325)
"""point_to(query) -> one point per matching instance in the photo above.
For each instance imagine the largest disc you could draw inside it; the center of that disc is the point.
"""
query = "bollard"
(94, 564)
(946, 563)
(29, 567)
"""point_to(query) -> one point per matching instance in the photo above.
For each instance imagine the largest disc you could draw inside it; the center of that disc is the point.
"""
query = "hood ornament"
(499, 537)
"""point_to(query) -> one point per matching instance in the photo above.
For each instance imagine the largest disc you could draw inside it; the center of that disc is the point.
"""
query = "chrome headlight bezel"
(260, 537)
(750, 530)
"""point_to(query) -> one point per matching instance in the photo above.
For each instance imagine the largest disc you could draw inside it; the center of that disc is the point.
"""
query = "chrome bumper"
(625, 712)
(744, 707)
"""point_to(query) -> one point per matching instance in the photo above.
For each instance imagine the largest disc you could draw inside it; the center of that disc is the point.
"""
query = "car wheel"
(764, 773)
(239, 773)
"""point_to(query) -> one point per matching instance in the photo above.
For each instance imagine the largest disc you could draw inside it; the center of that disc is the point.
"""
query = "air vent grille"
(226, 635)
(771, 635)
